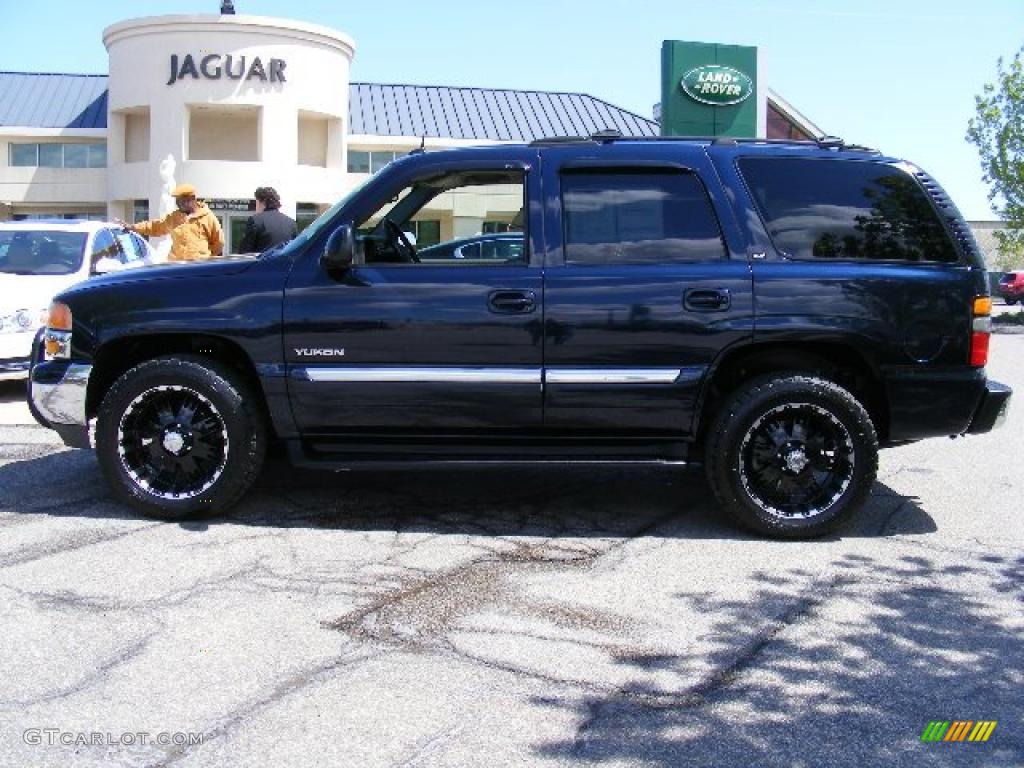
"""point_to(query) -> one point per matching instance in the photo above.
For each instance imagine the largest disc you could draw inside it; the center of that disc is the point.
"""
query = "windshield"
(41, 252)
(310, 232)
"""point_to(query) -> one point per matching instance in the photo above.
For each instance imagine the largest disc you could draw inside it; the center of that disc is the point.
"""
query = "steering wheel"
(406, 251)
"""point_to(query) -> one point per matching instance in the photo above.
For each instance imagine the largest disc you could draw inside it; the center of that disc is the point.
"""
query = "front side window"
(103, 246)
(845, 209)
(442, 220)
(638, 216)
(41, 252)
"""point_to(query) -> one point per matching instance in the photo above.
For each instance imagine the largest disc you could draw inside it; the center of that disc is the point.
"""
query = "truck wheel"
(791, 455)
(180, 436)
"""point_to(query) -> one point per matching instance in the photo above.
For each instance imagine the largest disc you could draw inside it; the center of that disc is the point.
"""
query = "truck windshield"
(41, 252)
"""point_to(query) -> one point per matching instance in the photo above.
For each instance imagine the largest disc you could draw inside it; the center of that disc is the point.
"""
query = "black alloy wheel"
(791, 455)
(180, 436)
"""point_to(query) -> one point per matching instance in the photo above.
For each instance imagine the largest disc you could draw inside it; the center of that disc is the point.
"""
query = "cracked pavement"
(514, 617)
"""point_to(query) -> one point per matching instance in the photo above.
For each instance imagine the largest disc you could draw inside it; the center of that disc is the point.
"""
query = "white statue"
(162, 245)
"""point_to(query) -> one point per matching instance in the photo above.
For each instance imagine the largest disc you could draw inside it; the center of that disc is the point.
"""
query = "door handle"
(512, 302)
(707, 299)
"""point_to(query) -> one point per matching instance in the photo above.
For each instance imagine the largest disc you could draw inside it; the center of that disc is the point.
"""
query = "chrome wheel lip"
(849, 455)
(140, 481)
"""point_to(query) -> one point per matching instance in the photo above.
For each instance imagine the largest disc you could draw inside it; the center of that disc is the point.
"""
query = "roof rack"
(611, 135)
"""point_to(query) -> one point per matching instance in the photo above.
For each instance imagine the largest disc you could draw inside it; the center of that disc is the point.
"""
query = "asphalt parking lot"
(519, 617)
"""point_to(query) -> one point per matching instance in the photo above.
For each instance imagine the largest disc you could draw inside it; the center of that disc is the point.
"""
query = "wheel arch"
(117, 356)
(838, 361)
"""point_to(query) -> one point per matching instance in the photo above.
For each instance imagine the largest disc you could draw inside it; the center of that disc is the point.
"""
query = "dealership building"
(230, 102)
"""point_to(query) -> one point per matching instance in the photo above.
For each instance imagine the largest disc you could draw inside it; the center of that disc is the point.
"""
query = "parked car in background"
(505, 247)
(39, 259)
(1011, 287)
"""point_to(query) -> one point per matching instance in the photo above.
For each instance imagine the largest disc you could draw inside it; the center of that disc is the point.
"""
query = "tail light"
(981, 330)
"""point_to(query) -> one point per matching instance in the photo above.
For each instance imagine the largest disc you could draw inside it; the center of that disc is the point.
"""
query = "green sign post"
(708, 89)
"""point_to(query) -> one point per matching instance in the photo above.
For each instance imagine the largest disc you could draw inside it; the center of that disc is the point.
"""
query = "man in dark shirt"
(269, 227)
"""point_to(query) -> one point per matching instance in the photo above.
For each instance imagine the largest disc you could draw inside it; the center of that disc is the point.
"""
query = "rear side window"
(836, 209)
(638, 217)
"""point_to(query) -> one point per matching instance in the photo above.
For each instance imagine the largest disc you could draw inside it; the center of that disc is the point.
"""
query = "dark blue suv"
(773, 311)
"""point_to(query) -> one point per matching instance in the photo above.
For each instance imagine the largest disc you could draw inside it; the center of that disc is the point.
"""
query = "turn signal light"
(59, 316)
(57, 336)
(981, 330)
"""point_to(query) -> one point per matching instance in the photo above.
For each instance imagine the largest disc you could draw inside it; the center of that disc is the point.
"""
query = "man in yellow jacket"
(195, 232)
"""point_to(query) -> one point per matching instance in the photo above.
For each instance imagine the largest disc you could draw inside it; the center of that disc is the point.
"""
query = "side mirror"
(106, 264)
(340, 249)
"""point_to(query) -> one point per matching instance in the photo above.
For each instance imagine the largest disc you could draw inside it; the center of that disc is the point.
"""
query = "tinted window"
(834, 209)
(638, 217)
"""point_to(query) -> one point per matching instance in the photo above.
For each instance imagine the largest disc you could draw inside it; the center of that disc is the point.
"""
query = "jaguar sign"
(213, 66)
(717, 85)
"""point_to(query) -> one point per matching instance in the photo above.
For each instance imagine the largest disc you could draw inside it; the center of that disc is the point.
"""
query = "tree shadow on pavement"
(842, 670)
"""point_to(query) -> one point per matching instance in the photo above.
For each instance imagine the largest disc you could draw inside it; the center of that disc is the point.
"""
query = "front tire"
(180, 436)
(791, 456)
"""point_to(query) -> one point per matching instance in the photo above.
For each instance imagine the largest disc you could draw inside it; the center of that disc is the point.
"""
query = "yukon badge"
(318, 352)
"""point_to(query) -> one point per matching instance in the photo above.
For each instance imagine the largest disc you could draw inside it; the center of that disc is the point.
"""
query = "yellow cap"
(183, 190)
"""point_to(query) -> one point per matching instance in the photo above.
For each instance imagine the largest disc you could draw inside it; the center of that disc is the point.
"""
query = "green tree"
(997, 130)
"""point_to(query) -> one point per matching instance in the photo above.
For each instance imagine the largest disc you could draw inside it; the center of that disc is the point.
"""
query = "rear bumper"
(927, 403)
(992, 410)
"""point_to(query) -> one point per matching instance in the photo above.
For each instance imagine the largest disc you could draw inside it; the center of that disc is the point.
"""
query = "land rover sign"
(717, 85)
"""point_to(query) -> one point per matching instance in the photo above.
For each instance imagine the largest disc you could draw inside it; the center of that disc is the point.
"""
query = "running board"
(303, 455)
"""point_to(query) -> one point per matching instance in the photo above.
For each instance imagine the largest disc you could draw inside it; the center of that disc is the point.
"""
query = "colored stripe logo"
(959, 730)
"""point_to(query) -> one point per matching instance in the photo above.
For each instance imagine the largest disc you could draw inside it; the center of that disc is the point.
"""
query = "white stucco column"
(241, 82)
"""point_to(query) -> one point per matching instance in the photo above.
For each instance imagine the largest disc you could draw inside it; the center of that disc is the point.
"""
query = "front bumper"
(991, 411)
(14, 368)
(57, 395)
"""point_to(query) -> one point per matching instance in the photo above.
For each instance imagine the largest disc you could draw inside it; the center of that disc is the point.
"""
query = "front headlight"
(22, 320)
(57, 339)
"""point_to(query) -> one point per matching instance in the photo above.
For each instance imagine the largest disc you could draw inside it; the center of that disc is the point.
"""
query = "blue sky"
(899, 75)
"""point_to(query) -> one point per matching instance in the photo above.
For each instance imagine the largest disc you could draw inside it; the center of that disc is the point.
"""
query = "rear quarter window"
(845, 209)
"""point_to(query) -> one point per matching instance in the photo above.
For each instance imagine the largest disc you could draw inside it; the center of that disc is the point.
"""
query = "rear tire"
(791, 455)
(179, 437)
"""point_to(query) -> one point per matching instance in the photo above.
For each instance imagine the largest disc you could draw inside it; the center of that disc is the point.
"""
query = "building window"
(427, 232)
(305, 214)
(25, 155)
(781, 127)
(492, 227)
(140, 211)
(360, 161)
(56, 155)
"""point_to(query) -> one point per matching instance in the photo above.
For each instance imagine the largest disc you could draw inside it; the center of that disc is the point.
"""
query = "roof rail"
(552, 140)
(610, 136)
